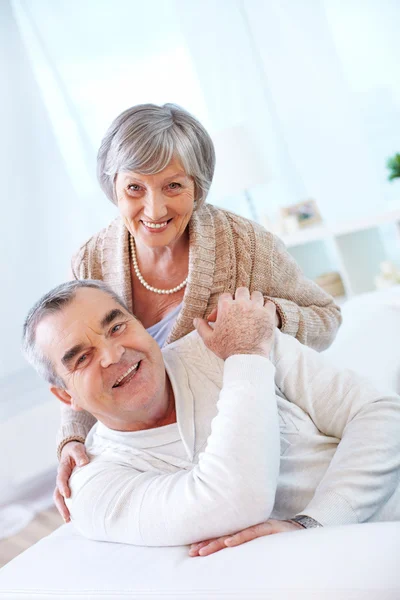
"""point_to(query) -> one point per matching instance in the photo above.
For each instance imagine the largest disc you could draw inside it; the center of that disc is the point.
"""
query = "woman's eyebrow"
(175, 176)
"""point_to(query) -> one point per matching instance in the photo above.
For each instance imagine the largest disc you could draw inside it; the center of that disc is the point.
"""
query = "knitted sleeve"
(307, 312)
(79, 264)
(74, 427)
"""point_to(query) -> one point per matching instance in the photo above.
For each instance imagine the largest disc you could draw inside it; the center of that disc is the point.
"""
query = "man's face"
(110, 365)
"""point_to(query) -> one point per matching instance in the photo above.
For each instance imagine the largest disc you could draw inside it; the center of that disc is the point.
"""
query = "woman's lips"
(155, 227)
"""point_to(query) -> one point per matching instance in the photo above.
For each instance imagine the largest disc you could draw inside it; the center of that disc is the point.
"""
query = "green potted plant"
(393, 164)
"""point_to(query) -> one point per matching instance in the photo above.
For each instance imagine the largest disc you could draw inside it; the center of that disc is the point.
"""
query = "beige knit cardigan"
(226, 251)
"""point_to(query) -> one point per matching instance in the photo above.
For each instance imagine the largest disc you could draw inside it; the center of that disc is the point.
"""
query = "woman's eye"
(133, 187)
(174, 185)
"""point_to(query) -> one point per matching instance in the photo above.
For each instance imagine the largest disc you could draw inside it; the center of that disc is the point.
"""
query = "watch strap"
(305, 521)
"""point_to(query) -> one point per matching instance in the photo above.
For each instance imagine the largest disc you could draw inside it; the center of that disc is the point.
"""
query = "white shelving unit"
(354, 249)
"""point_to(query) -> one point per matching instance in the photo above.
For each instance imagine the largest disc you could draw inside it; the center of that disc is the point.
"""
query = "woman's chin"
(155, 240)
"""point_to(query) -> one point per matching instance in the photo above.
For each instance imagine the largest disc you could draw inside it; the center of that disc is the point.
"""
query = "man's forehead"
(87, 314)
(93, 297)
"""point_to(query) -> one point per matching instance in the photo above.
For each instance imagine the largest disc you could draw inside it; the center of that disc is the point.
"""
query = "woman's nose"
(155, 208)
(111, 354)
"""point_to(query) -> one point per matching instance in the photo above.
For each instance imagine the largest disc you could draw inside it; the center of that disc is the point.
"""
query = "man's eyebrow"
(113, 314)
(71, 353)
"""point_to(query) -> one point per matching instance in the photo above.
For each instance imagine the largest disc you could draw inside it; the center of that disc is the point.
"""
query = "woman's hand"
(73, 454)
(212, 317)
(243, 325)
(246, 535)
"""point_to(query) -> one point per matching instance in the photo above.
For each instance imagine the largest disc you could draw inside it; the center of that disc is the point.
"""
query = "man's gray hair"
(50, 303)
(146, 137)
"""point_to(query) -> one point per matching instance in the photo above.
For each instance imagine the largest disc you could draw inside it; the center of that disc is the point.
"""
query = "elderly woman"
(170, 255)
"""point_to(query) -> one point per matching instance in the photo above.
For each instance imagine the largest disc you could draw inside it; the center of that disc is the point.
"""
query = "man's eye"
(116, 328)
(81, 359)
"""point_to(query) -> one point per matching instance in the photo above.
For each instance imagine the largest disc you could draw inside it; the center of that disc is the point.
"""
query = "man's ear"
(64, 397)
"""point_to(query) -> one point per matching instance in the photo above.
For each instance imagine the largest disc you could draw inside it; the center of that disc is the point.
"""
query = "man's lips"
(127, 376)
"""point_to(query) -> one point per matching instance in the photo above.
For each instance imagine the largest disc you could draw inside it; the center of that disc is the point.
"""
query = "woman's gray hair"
(146, 137)
(50, 303)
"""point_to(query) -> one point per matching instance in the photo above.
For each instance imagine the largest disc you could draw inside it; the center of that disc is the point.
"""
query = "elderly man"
(211, 436)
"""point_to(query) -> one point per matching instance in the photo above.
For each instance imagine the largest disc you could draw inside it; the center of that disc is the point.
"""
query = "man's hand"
(243, 325)
(73, 454)
(251, 533)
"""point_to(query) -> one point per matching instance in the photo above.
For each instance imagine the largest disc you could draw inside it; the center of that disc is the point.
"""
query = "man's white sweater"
(254, 438)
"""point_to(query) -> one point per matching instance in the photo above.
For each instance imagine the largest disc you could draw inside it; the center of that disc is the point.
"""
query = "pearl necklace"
(141, 278)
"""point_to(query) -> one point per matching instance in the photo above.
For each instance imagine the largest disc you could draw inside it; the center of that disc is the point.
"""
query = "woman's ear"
(64, 397)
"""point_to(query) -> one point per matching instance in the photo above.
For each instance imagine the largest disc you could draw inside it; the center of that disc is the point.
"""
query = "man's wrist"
(305, 521)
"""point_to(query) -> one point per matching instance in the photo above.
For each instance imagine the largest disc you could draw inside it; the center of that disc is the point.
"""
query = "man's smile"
(127, 376)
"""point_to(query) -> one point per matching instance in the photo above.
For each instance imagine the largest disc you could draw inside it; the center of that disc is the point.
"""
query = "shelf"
(306, 235)
(367, 223)
(323, 232)
(355, 249)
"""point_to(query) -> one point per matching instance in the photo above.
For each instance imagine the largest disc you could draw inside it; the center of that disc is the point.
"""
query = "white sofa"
(342, 563)
(354, 562)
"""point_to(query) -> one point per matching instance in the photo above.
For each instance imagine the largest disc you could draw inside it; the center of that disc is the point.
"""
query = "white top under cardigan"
(254, 438)
(161, 330)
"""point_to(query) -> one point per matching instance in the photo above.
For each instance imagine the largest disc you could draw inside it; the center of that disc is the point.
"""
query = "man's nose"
(111, 354)
(155, 208)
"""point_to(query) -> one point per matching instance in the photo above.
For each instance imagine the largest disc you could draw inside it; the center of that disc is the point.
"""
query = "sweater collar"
(115, 259)
(184, 401)
(201, 272)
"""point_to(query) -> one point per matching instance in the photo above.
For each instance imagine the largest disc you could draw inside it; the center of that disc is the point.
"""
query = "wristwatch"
(306, 522)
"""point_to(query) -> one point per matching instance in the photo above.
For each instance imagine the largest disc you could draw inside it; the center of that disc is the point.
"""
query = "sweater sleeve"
(75, 425)
(307, 312)
(232, 487)
(364, 471)
(79, 263)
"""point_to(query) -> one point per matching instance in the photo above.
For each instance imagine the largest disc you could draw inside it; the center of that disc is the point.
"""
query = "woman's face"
(156, 208)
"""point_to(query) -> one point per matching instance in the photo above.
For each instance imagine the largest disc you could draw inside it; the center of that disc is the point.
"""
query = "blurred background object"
(393, 164)
(332, 283)
(389, 275)
(238, 166)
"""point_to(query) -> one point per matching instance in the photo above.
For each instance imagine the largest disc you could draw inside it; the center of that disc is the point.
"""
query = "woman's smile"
(153, 228)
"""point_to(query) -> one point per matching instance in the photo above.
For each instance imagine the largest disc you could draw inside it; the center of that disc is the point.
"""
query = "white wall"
(315, 106)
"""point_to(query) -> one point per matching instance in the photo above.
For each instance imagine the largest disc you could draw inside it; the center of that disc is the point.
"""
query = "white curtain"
(288, 70)
(34, 227)
(36, 194)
